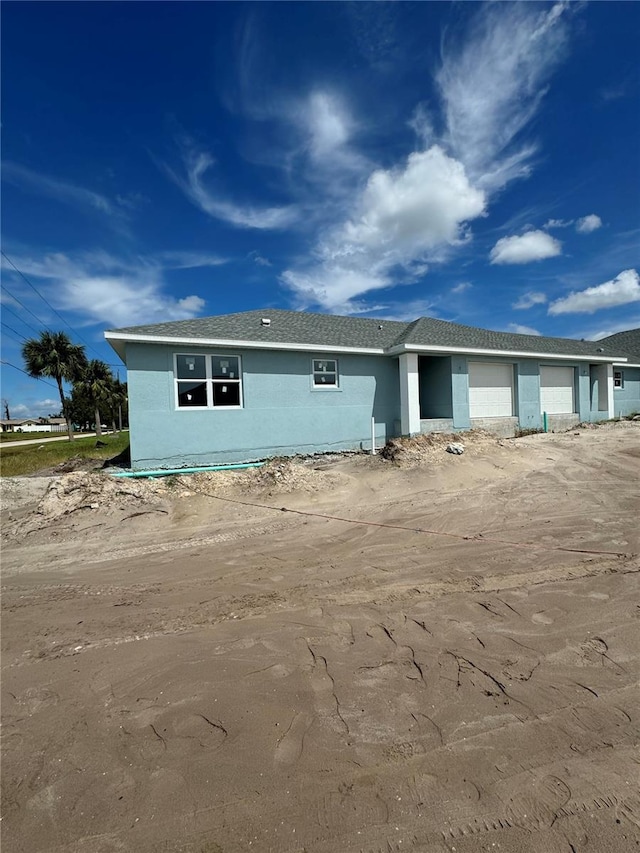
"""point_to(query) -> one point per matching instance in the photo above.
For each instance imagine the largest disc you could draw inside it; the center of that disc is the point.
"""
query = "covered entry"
(490, 390)
(557, 390)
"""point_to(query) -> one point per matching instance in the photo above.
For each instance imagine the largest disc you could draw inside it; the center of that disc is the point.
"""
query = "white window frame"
(321, 386)
(209, 381)
(618, 379)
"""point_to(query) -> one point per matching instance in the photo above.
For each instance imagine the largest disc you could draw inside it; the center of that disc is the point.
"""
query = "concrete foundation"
(502, 427)
(560, 423)
(436, 425)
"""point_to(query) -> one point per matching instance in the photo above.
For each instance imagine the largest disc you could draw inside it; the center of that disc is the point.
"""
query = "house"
(626, 377)
(242, 387)
(33, 425)
(21, 425)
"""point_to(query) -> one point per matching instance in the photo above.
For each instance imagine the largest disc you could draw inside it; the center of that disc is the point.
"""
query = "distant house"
(242, 387)
(626, 376)
(33, 425)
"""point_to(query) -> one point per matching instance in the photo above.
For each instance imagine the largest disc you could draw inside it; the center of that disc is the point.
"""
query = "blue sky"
(475, 163)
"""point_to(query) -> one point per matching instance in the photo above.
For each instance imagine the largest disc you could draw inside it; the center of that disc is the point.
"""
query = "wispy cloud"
(104, 289)
(192, 181)
(34, 408)
(492, 83)
(528, 300)
(631, 321)
(525, 248)
(550, 224)
(522, 330)
(621, 290)
(189, 260)
(259, 260)
(462, 287)
(64, 192)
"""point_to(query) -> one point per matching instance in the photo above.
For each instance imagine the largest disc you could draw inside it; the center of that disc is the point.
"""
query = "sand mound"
(430, 447)
(16, 492)
(85, 491)
(278, 476)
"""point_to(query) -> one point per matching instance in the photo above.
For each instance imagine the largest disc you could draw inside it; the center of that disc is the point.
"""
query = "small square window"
(224, 367)
(618, 379)
(192, 394)
(191, 367)
(325, 373)
(226, 395)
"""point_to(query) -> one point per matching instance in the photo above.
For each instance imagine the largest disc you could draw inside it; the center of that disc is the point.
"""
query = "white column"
(409, 394)
(610, 406)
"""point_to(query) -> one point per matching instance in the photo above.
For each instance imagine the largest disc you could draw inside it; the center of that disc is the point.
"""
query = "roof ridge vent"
(266, 321)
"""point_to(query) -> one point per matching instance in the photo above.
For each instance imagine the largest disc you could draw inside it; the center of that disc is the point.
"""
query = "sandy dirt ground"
(435, 653)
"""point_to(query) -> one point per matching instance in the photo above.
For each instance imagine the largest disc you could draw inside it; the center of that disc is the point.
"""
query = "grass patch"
(18, 461)
(28, 436)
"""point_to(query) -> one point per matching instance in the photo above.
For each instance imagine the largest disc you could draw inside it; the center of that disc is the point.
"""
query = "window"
(618, 379)
(208, 381)
(325, 373)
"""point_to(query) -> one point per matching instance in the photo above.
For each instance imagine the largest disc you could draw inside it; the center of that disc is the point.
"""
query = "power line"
(22, 305)
(11, 329)
(17, 316)
(35, 290)
(15, 367)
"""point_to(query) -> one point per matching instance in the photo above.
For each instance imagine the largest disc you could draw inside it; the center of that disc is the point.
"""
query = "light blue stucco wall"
(436, 397)
(282, 414)
(626, 400)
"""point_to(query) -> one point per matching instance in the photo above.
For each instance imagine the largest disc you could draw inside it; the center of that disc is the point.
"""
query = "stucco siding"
(282, 413)
(626, 400)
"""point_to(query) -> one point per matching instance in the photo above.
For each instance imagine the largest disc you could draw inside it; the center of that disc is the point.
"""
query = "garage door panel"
(557, 394)
(490, 390)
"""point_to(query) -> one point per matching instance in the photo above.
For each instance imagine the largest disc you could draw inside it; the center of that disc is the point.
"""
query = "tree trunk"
(120, 417)
(98, 424)
(65, 410)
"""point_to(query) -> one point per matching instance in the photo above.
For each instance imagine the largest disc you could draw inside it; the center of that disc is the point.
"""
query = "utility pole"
(5, 403)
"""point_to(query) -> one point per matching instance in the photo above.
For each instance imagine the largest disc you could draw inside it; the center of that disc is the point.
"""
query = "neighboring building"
(33, 425)
(242, 387)
(626, 377)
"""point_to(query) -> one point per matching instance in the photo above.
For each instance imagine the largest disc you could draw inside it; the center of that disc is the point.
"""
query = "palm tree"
(98, 381)
(55, 356)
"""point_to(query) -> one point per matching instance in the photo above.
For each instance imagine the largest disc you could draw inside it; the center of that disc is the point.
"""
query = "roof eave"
(446, 350)
(118, 340)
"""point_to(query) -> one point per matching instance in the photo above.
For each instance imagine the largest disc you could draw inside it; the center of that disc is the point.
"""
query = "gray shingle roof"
(287, 327)
(304, 328)
(429, 332)
(624, 343)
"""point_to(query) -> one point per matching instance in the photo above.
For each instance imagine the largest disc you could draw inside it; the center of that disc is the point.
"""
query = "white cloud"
(528, 300)
(189, 260)
(34, 408)
(257, 258)
(460, 288)
(557, 223)
(523, 330)
(104, 289)
(401, 217)
(532, 246)
(493, 83)
(64, 192)
(328, 124)
(631, 321)
(196, 165)
(588, 224)
(622, 290)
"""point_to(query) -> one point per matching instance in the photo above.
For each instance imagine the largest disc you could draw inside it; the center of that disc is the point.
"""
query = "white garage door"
(490, 390)
(556, 390)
